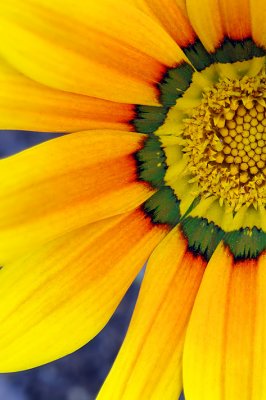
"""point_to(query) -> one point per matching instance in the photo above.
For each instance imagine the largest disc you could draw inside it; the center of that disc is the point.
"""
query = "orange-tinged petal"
(105, 49)
(173, 17)
(258, 15)
(57, 298)
(224, 356)
(148, 365)
(206, 19)
(28, 105)
(66, 183)
(215, 20)
(236, 18)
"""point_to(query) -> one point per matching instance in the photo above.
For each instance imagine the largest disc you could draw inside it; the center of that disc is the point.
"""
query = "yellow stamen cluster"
(225, 142)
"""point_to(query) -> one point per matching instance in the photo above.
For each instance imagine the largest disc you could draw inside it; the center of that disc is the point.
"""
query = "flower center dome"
(224, 142)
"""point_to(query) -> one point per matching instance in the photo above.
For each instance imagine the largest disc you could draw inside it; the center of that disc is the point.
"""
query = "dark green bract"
(203, 237)
(246, 243)
(163, 207)
(151, 162)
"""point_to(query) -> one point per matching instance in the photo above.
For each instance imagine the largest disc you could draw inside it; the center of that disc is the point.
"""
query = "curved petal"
(173, 17)
(206, 19)
(57, 298)
(236, 18)
(28, 105)
(224, 356)
(93, 48)
(258, 15)
(65, 183)
(148, 365)
(214, 21)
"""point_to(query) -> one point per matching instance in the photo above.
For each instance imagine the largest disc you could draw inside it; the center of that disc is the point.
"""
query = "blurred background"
(78, 376)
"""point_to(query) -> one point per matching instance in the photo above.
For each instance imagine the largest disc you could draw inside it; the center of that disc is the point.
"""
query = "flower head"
(164, 105)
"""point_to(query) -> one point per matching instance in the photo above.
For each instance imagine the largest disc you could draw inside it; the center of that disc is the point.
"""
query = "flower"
(164, 103)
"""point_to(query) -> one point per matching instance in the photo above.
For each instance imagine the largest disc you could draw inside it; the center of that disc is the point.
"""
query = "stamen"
(224, 140)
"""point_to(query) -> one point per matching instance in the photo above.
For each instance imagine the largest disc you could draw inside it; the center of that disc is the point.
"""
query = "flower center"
(224, 141)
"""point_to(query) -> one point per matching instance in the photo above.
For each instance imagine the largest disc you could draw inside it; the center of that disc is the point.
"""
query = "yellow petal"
(105, 48)
(66, 183)
(28, 105)
(206, 19)
(258, 15)
(236, 18)
(148, 365)
(225, 342)
(173, 17)
(57, 298)
(214, 21)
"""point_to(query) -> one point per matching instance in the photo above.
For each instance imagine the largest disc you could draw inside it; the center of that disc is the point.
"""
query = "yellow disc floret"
(225, 142)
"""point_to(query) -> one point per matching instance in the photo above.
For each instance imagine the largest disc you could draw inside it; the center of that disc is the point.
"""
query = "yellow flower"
(165, 105)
